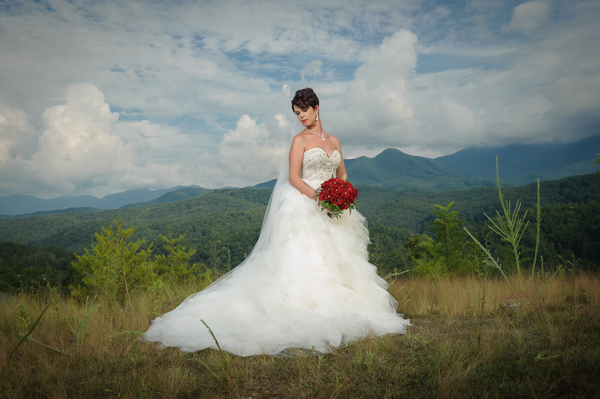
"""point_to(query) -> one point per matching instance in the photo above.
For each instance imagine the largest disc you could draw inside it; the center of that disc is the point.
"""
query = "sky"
(98, 97)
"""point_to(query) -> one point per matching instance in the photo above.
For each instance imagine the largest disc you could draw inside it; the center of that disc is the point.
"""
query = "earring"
(317, 116)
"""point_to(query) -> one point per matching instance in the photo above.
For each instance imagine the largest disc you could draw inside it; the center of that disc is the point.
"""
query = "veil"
(268, 231)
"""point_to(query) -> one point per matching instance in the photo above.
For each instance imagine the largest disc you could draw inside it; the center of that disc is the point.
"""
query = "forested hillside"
(410, 208)
(223, 225)
(28, 267)
(394, 169)
(198, 217)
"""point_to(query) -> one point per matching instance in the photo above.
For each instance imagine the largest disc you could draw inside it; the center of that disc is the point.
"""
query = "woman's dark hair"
(305, 98)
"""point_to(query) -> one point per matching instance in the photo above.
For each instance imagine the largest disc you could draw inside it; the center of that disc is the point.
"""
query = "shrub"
(115, 266)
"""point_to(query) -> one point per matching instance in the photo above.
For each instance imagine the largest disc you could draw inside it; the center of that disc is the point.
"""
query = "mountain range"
(392, 169)
(522, 164)
(19, 204)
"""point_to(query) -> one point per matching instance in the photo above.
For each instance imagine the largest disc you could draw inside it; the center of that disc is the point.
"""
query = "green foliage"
(449, 236)
(31, 268)
(509, 226)
(115, 266)
(387, 250)
(569, 231)
(448, 253)
(244, 208)
(427, 261)
(219, 255)
(597, 162)
(175, 263)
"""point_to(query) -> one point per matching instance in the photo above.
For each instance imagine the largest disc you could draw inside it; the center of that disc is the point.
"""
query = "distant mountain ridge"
(522, 164)
(19, 204)
(173, 196)
(392, 169)
(396, 170)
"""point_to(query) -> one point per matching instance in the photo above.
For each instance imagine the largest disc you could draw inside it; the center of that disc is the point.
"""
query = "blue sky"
(98, 97)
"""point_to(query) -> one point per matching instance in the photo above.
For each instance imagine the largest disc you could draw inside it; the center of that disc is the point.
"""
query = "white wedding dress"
(307, 286)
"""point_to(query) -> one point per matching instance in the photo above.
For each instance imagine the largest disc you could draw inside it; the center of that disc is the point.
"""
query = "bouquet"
(335, 196)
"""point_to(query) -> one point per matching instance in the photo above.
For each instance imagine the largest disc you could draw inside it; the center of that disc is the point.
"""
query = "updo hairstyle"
(305, 98)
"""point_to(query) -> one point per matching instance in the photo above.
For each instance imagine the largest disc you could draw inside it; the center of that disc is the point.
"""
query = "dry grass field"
(470, 338)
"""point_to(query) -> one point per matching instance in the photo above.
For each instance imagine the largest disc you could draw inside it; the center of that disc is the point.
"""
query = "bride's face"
(307, 116)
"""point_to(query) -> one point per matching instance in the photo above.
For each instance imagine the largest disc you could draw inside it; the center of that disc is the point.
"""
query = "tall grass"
(470, 338)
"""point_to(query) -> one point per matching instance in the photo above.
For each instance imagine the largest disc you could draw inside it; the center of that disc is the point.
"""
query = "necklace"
(322, 135)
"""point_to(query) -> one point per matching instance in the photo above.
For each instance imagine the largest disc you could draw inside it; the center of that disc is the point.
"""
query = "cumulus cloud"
(376, 97)
(78, 151)
(84, 148)
(253, 152)
(530, 15)
(198, 93)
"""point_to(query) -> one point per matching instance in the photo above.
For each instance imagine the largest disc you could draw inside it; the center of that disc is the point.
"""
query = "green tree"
(114, 266)
(175, 263)
(447, 252)
(450, 237)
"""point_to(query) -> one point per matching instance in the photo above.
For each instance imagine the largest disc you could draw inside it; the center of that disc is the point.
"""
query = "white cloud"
(78, 151)
(375, 101)
(76, 143)
(253, 152)
(529, 16)
(313, 69)
(195, 82)
(15, 132)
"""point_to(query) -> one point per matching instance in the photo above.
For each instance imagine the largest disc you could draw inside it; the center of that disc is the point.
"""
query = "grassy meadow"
(470, 338)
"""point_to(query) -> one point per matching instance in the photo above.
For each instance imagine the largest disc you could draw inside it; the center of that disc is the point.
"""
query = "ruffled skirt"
(308, 286)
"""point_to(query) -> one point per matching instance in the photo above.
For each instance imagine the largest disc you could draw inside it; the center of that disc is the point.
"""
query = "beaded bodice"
(318, 167)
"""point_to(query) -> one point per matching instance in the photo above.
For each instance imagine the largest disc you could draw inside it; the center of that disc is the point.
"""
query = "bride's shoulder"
(334, 139)
(298, 143)
(299, 139)
(298, 136)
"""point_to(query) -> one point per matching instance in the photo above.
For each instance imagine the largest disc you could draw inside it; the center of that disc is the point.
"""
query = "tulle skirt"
(308, 288)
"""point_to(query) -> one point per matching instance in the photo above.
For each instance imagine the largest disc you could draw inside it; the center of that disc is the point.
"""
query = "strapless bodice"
(317, 166)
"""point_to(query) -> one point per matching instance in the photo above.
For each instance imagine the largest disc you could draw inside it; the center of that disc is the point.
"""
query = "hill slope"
(226, 213)
(394, 169)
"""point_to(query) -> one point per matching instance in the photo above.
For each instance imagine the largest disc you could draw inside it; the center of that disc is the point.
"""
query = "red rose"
(336, 195)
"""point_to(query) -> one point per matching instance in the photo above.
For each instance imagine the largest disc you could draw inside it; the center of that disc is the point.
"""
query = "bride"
(307, 285)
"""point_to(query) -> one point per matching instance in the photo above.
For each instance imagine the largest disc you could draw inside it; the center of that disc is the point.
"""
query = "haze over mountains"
(392, 169)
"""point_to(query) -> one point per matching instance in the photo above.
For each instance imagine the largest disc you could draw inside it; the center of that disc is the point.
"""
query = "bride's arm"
(296, 156)
(341, 170)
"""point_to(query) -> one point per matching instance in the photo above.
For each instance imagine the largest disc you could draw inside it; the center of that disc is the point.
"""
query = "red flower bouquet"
(336, 195)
